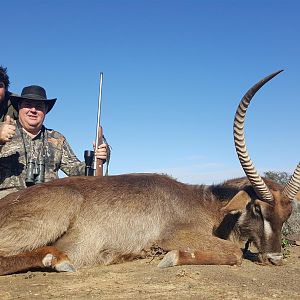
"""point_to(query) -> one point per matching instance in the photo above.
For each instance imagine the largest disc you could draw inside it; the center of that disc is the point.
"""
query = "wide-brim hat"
(32, 92)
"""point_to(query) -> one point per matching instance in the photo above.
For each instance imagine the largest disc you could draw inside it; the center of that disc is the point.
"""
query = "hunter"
(31, 153)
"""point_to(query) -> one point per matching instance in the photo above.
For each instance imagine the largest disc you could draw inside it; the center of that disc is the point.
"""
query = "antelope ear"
(237, 203)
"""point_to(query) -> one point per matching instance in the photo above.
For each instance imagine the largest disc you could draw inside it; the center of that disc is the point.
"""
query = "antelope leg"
(44, 257)
(206, 251)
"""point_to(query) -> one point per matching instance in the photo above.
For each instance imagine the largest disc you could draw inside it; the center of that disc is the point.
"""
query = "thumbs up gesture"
(7, 130)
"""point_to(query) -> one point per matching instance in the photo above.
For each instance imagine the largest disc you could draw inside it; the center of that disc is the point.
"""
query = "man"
(32, 153)
(6, 107)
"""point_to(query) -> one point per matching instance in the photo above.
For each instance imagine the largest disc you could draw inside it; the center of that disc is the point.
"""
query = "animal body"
(79, 221)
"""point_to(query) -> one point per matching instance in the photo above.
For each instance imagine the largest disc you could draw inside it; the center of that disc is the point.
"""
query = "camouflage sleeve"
(70, 164)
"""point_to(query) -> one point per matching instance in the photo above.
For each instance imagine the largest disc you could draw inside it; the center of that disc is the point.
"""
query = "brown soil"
(141, 279)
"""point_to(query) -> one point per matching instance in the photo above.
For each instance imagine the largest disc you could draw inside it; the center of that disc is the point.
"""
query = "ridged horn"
(292, 187)
(258, 184)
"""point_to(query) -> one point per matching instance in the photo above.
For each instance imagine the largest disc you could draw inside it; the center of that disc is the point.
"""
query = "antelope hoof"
(62, 266)
(170, 259)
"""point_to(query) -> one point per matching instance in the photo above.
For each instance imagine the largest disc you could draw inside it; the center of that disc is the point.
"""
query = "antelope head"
(267, 208)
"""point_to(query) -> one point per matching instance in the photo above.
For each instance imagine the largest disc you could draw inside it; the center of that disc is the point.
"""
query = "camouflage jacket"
(49, 147)
(6, 108)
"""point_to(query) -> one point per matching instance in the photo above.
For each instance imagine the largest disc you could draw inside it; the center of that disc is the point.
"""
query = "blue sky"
(174, 73)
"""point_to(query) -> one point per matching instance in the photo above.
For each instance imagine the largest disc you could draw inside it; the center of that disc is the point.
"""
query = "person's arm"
(70, 164)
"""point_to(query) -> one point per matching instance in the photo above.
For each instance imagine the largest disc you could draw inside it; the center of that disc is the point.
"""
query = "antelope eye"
(256, 209)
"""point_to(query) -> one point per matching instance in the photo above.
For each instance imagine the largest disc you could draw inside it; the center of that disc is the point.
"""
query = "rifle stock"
(99, 162)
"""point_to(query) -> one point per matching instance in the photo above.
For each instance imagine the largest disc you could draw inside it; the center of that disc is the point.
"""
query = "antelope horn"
(239, 140)
(292, 187)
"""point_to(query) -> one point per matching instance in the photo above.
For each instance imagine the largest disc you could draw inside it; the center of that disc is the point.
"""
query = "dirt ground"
(141, 279)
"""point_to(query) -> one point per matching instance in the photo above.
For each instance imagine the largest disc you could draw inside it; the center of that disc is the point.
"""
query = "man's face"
(2, 91)
(32, 114)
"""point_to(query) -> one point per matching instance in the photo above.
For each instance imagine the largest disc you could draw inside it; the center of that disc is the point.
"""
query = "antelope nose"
(275, 258)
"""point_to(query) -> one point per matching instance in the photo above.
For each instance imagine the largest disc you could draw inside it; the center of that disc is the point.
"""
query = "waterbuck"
(79, 221)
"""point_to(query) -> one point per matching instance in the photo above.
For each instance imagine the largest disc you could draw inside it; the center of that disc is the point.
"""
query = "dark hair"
(4, 77)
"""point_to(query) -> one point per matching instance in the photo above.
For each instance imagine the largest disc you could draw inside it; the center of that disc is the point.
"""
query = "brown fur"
(107, 220)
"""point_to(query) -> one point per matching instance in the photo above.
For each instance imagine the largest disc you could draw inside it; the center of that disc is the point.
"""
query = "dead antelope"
(80, 221)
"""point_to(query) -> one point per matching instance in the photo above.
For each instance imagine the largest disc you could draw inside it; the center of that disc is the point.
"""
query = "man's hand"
(7, 130)
(101, 152)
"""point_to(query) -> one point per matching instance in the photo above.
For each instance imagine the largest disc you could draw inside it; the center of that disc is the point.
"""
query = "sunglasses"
(2, 85)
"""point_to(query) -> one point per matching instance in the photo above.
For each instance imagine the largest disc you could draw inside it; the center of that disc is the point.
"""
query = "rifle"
(89, 156)
(98, 163)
